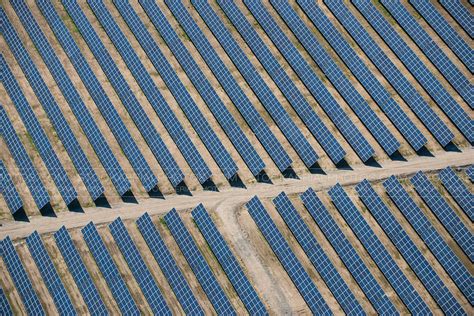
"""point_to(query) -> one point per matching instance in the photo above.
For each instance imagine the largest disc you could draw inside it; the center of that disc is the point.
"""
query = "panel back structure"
(168, 266)
(287, 258)
(373, 291)
(461, 14)
(8, 190)
(49, 275)
(458, 191)
(198, 264)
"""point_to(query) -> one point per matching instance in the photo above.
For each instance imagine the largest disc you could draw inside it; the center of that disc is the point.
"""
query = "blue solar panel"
(257, 84)
(458, 191)
(123, 90)
(418, 69)
(228, 262)
(139, 268)
(380, 301)
(432, 51)
(64, 132)
(438, 246)
(49, 274)
(470, 173)
(317, 256)
(101, 100)
(23, 161)
(152, 92)
(109, 270)
(282, 80)
(287, 258)
(233, 90)
(321, 57)
(84, 117)
(461, 14)
(168, 266)
(207, 92)
(38, 136)
(444, 213)
(409, 94)
(457, 44)
(409, 251)
(198, 264)
(79, 272)
(20, 278)
(8, 190)
(388, 105)
(377, 250)
(5, 307)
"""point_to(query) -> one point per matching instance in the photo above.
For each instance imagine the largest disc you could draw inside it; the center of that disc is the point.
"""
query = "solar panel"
(401, 84)
(380, 301)
(257, 84)
(287, 258)
(470, 173)
(87, 123)
(350, 57)
(101, 100)
(49, 274)
(123, 90)
(20, 278)
(316, 255)
(198, 264)
(109, 270)
(23, 161)
(432, 51)
(439, 24)
(405, 245)
(8, 190)
(283, 81)
(5, 307)
(168, 266)
(461, 14)
(458, 191)
(227, 260)
(63, 130)
(444, 213)
(233, 90)
(444, 100)
(152, 92)
(79, 272)
(321, 57)
(438, 246)
(207, 92)
(38, 136)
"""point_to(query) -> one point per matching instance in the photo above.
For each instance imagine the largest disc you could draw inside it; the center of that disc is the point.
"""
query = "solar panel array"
(388, 105)
(233, 90)
(321, 57)
(316, 255)
(283, 81)
(458, 191)
(109, 270)
(444, 100)
(56, 117)
(123, 90)
(8, 190)
(470, 173)
(49, 275)
(227, 260)
(78, 270)
(102, 101)
(23, 161)
(168, 266)
(20, 278)
(256, 83)
(374, 292)
(444, 213)
(401, 84)
(198, 264)
(461, 14)
(4, 305)
(405, 245)
(287, 258)
(139, 269)
(151, 91)
(430, 236)
(207, 92)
